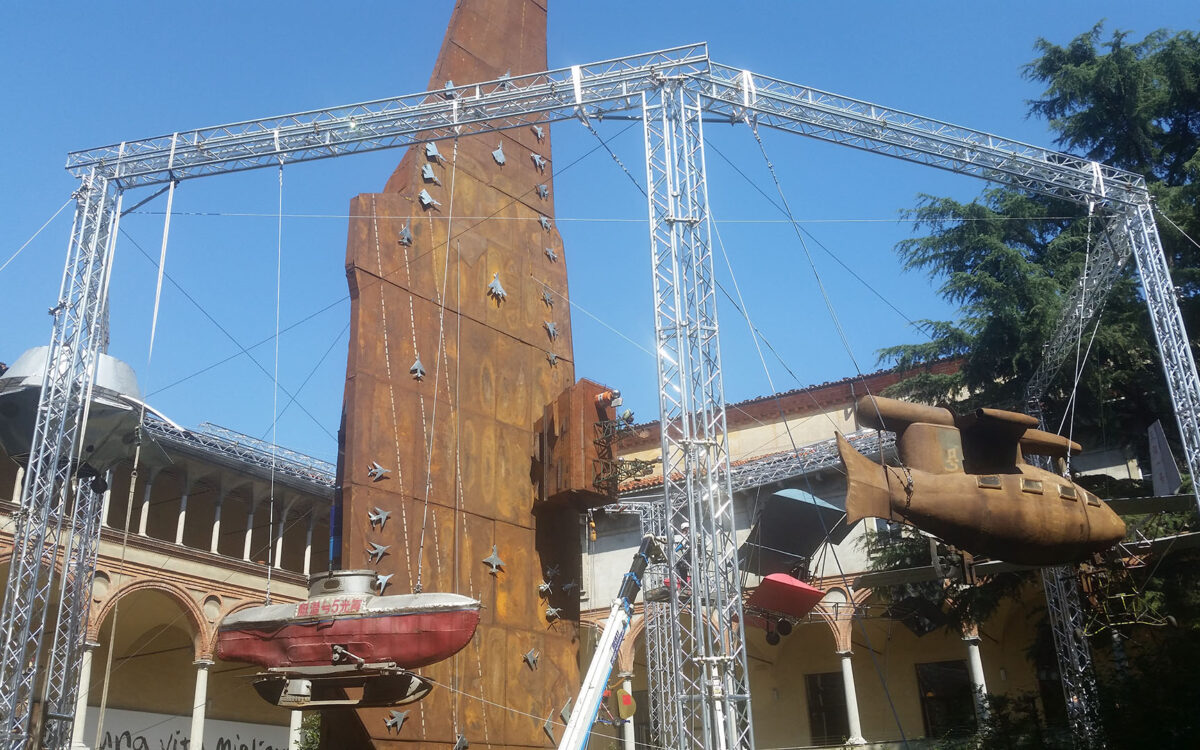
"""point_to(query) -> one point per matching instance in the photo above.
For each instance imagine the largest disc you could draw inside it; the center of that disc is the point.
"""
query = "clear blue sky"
(77, 75)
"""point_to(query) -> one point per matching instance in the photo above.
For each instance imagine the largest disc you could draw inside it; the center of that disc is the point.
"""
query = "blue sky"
(78, 75)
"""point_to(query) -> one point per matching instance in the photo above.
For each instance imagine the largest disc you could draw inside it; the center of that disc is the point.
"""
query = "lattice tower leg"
(1074, 655)
(41, 521)
(706, 648)
(66, 651)
(1179, 365)
(661, 654)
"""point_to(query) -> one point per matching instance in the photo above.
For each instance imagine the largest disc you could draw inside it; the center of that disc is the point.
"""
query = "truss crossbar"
(811, 458)
(739, 94)
(595, 90)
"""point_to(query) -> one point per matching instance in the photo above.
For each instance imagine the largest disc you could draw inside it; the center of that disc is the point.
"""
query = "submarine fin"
(867, 492)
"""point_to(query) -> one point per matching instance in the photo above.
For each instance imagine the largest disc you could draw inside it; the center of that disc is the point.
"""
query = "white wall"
(140, 730)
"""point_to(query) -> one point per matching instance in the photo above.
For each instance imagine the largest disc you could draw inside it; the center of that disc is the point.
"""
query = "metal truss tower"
(57, 529)
(701, 697)
(1127, 229)
(697, 676)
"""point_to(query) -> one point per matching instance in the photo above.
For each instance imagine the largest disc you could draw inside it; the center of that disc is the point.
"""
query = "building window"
(947, 704)
(641, 720)
(827, 708)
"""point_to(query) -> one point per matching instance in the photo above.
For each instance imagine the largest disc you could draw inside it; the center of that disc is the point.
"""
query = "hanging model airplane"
(964, 479)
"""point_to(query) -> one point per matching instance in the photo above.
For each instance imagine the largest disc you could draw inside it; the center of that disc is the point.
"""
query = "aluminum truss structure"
(56, 530)
(674, 88)
(218, 443)
(1068, 627)
(699, 683)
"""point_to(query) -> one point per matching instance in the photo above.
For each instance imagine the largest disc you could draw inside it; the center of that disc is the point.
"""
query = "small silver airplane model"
(378, 517)
(395, 720)
(377, 472)
(531, 658)
(493, 561)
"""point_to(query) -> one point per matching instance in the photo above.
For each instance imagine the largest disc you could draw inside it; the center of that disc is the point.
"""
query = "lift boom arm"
(591, 692)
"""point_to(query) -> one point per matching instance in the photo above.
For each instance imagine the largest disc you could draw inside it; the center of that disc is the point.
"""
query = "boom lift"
(591, 692)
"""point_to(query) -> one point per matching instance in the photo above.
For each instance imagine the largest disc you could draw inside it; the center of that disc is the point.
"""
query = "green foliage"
(1014, 723)
(310, 732)
(905, 547)
(1009, 259)
(1152, 703)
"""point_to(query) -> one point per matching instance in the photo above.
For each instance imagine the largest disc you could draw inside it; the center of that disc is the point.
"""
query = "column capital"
(203, 663)
(972, 638)
(845, 653)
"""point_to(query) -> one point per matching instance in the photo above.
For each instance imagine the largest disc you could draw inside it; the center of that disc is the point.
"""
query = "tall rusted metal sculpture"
(454, 353)
(964, 478)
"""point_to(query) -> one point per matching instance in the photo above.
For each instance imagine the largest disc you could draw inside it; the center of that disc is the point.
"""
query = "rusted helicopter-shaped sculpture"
(964, 479)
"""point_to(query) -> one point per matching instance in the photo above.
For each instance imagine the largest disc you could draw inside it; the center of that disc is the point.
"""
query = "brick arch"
(628, 650)
(6, 556)
(174, 591)
(210, 647)
(841, 619)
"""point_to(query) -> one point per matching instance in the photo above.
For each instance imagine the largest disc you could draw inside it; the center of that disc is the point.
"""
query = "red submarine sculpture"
(964, 479)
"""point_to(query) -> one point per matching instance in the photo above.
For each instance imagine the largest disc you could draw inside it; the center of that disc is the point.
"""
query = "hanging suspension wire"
(271, 551)
(24, 245)
(313, 371)
(242, 349)
(841, 334)
(1177, 228)
(587, 124)
(137, 451)
(437, 369)
(796, 224)
(837, 324)
(1080, 358)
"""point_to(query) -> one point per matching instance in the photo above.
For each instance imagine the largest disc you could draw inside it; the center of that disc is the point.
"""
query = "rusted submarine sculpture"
(964, 478)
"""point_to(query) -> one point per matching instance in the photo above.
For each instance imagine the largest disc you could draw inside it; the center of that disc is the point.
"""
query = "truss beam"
(741, 95)
(594, 90)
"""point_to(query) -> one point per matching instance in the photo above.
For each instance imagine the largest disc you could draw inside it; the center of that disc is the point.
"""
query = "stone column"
(294, 722)
(182, 520)
(106, 498)
(628, 737)
(978, 684)
(852, 721)
(81, 696)
(312, 520)
(249, 528)
(144, 519)
(216, 527)
(200, 702)
(19, 486)
(283, 517)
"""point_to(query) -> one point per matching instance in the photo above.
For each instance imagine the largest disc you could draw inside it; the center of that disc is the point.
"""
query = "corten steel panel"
(568, 457)
(478, 409)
